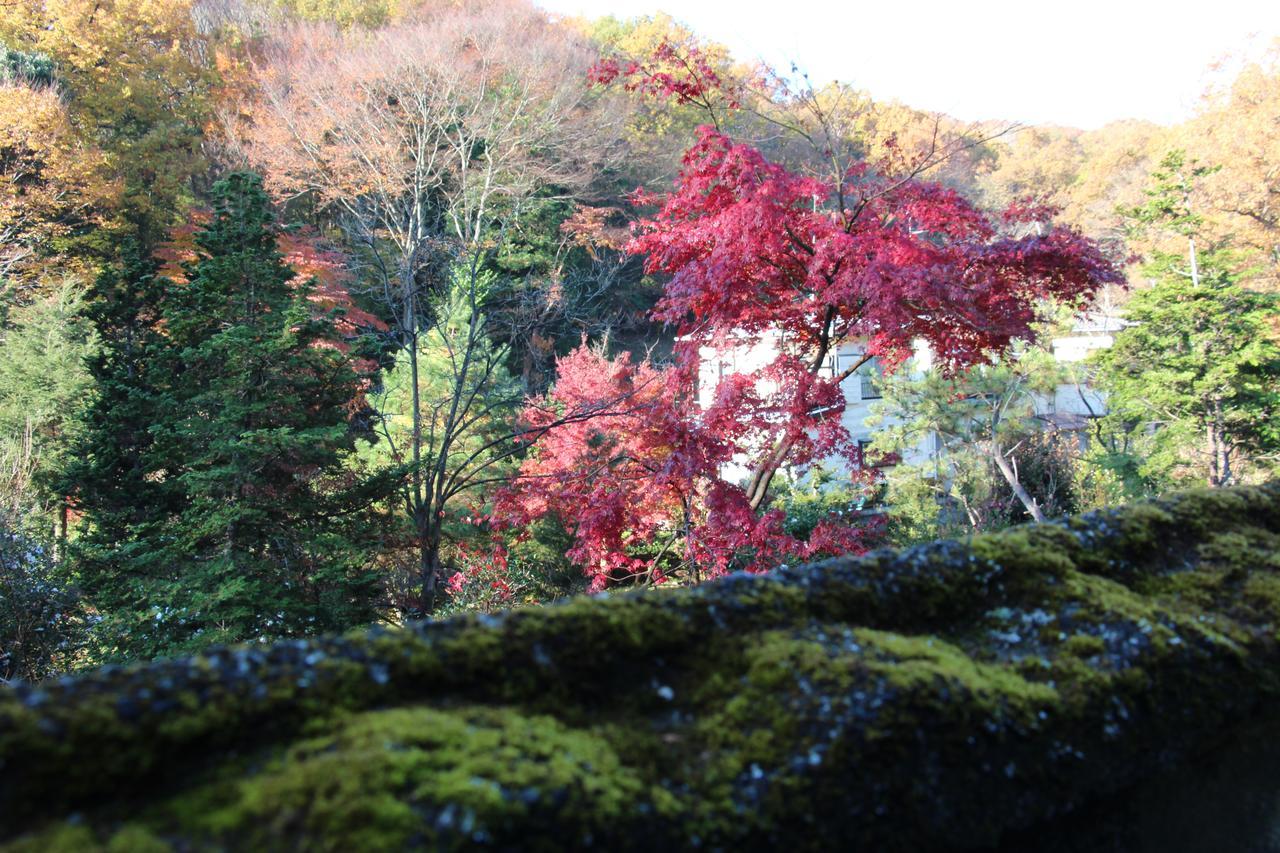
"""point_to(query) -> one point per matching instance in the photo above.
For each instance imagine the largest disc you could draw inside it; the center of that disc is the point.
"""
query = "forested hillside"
(325, 313)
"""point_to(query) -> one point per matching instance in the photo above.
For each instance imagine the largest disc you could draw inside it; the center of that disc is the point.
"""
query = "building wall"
(859, 389)
(1071, 406)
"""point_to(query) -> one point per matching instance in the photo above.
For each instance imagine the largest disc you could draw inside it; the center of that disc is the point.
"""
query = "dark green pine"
(256, 530)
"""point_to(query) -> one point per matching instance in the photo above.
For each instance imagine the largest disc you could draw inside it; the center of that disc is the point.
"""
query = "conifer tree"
(1192, 387)
(45, 388)
(107, 476)
(1191, 382)
(251, 528)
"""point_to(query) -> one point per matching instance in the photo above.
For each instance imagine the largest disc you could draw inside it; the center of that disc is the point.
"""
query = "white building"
(1070, 408)
(861, 389)
(1074, 404)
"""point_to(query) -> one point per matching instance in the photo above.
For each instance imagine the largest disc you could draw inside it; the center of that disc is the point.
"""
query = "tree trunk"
(1011, 476)
(422, 521)
(1211, 440)
(1219, 450)
(429, 560)
(758, 487)
(60, 537)
(975, 521)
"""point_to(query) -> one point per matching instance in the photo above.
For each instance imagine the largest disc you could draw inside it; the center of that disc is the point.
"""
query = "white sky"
(1082, 63)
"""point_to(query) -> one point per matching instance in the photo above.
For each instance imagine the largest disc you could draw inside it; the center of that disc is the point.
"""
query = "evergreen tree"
(1192, 382)
(993, 457)
(45, 388)
(107, 474)
(34, 68)
(245, 525)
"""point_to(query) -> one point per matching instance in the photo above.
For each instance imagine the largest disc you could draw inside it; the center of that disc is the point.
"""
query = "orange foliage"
(311, 257)
(54, 187)
(1238, 129)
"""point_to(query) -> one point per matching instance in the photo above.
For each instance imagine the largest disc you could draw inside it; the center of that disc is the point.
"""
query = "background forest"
(320, 313)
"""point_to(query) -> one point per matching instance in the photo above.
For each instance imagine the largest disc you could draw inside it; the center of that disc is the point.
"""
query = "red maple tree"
(752, 248)
(639, 481)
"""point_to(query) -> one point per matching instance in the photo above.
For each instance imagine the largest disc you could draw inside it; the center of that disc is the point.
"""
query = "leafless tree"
(425, 142)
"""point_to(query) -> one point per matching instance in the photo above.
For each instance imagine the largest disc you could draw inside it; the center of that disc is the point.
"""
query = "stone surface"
(947, 697)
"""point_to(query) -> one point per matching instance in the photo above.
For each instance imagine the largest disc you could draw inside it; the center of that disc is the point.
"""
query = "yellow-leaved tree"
(56, 190)
(136, 79)
(1238, 128)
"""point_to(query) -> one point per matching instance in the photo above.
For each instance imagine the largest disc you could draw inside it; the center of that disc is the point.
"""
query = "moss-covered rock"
(938, 698)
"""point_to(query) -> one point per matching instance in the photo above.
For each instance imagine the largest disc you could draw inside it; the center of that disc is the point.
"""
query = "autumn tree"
(892, 261)
(657, 131)
(1236, 128)
(1084, 176)
(638, 484)
(137, 80)
(344, 13)
(425, 142)
(610, 479)
(868, 251)
(57, 193)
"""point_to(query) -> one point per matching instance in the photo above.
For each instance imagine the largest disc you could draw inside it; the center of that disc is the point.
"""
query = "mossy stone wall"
(939, 698)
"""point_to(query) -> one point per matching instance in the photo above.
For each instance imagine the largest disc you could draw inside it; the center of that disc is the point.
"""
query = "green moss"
(1130, 533)
(1035, 554)
(387, 780)
(136, 839)
(1262, 593)
(1206, 512)
(1236, 551)
(61, 838)
(78, 838)
(1083, 646)
(1231, 569)
(902, 701)
(810, 709)
(1106, 600)
(925, 663)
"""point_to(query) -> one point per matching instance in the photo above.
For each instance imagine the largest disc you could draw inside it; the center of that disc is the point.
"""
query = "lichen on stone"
(942, 697)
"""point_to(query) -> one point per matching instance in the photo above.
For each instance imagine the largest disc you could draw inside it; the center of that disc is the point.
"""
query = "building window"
(870, 375)
(840, 363)
(872, 458)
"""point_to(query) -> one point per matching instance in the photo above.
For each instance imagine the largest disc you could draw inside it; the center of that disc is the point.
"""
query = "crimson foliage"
(755, 250)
